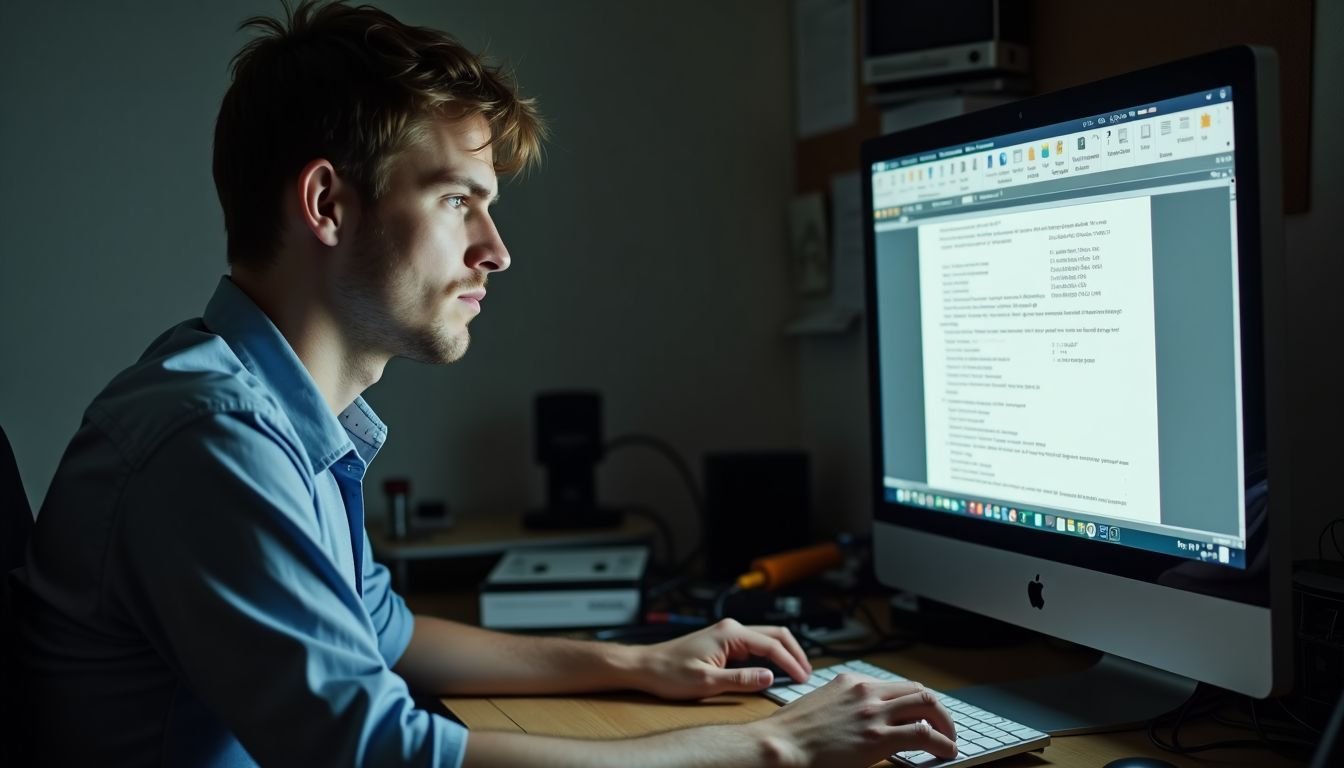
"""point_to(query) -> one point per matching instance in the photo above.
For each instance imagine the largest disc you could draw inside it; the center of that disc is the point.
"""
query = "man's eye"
(456, 201)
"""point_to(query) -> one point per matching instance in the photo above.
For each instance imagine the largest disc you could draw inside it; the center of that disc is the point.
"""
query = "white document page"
(1040, 368)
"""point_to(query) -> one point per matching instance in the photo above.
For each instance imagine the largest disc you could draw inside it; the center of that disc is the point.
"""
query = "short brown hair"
(355, 86)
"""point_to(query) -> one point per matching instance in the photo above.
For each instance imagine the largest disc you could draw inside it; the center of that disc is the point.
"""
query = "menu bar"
(1116, 141)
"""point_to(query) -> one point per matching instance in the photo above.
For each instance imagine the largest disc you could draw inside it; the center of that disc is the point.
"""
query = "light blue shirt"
(200, 585)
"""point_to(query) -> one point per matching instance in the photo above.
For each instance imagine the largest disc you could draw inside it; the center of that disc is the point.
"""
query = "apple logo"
(1034, 589)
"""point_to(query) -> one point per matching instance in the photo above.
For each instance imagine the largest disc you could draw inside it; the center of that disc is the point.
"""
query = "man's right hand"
(856, 721)
(851, 722)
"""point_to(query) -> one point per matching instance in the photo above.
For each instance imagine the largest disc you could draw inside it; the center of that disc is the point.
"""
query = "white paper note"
(824, 57)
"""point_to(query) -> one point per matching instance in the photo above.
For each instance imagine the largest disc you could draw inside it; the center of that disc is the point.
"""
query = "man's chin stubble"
(439, 348)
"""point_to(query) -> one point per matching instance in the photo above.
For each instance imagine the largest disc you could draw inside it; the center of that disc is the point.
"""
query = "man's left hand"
(696, 666)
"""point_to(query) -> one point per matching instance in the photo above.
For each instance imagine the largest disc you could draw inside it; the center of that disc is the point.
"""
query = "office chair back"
(16, 522)
(16, 517)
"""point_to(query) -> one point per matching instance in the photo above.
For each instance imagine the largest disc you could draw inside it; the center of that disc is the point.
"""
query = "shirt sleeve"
(392, 620)
(218, 563)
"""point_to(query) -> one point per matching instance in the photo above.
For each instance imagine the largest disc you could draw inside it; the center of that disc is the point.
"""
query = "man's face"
(416, 274)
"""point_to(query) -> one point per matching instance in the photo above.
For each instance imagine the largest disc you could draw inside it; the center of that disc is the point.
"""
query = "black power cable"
(1320, 540)
(1282, 739)
(697, 499)
(664, 530)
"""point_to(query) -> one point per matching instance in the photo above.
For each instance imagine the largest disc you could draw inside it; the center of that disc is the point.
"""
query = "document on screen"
(1039, 358)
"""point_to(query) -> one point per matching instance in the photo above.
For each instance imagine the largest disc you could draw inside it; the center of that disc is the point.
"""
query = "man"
(199, 586)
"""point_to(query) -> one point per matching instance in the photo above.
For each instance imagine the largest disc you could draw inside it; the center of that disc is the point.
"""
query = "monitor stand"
(1113, 694)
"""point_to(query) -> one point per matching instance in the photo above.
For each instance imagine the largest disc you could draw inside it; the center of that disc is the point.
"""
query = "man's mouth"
(474, 298)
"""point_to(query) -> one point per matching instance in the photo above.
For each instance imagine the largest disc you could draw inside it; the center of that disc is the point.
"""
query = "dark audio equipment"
(568, 437)
(755, 504)
(920, 44)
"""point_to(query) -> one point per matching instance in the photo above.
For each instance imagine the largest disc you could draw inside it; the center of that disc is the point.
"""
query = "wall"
(1314, 244)
(648, 252)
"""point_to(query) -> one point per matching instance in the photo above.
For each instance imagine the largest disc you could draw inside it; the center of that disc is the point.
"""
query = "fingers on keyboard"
(921, 736)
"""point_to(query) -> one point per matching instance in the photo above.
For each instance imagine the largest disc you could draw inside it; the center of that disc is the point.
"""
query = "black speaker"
(569, 443)
(755, 504)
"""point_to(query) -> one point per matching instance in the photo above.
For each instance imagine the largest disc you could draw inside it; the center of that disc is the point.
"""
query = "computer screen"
(1072, 310)
(1055, 271)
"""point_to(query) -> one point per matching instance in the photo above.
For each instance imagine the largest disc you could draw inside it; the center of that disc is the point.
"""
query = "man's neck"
(297, 309)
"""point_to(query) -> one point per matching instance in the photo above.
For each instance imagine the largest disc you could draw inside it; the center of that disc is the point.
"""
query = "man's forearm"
(716, 746)
(451, 658)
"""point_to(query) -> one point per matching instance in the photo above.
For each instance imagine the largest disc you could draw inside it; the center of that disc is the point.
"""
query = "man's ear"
(326, 201)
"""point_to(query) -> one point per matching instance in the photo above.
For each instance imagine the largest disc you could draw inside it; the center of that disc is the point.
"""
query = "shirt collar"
(266, 354)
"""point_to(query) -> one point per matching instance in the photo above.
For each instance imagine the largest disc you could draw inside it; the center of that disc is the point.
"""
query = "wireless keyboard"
(982, 736)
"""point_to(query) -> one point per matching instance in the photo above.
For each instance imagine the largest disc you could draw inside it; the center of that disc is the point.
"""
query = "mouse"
(1139, 762)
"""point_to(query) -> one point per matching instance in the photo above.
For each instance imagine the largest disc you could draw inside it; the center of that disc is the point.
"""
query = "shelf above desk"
(494, 535)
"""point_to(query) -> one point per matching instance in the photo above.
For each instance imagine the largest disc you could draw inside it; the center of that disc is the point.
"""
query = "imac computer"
(1075, 329)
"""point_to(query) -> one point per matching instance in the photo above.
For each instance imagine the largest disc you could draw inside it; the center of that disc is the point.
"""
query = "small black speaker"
(568, 428)
(569, 443)
(755, 504)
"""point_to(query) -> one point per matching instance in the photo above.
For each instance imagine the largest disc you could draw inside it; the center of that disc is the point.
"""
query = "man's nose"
(487, 252)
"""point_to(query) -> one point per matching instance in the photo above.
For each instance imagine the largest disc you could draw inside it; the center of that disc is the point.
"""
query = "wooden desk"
(609, 716)
(495, 535)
